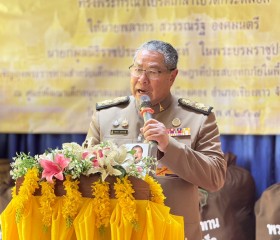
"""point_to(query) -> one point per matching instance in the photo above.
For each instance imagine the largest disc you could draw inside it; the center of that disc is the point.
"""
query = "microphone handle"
(147, 116)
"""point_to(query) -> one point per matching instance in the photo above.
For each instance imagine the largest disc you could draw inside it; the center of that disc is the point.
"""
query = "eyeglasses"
(152, 74)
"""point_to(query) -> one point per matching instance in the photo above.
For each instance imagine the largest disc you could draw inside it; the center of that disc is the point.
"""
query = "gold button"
(176, 122)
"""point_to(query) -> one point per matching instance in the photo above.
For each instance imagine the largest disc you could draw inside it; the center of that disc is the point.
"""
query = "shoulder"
(112, 102)
(196, 106)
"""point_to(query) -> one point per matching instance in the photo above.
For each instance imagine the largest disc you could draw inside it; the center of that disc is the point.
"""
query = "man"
(187, 136)
(138, 153)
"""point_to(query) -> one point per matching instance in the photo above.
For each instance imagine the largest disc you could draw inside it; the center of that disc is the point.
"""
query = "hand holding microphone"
(153, 130)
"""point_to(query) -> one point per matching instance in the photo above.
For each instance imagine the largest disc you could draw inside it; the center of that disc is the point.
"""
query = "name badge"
(118, 132)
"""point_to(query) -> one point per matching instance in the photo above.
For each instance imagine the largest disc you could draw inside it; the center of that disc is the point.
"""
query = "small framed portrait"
(141, 150)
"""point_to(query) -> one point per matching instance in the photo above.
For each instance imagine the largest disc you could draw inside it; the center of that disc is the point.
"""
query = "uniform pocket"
(184, 139)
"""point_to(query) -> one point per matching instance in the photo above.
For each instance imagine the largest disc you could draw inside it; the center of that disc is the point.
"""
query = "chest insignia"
(116, 123)
(176, 122)
(176, 132)
(124, 123)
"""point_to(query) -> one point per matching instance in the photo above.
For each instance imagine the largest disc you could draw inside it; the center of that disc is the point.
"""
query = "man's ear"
(173, 75)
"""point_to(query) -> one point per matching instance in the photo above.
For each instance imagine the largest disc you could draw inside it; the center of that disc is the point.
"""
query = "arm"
(202, 164)
(93, 134)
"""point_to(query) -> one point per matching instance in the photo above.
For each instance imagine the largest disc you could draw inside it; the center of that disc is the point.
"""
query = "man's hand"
(154, 130)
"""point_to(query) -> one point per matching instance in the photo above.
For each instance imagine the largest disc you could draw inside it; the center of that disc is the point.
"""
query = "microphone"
(146, 111)
(145, 107)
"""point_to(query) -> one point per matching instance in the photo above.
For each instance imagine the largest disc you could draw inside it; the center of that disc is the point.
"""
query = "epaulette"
(112, 102)
(199, 107)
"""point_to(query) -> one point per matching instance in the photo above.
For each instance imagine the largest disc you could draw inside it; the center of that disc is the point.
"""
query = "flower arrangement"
(75, 160)
(68, 165)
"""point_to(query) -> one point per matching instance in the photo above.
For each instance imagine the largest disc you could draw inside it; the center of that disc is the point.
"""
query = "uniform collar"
(163, 105)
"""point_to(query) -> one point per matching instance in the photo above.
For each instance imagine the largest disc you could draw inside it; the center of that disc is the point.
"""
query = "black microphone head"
(145, 101)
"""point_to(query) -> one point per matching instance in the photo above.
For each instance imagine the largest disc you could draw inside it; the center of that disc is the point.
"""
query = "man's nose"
(143, 78)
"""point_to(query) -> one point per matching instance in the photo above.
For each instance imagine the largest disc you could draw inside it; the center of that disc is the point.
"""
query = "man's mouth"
(140, 91)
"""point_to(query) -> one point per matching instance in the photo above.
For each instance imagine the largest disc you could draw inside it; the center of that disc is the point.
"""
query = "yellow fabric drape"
(154, 223)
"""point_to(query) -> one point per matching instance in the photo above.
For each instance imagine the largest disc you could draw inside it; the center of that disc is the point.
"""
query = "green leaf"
(121, 169)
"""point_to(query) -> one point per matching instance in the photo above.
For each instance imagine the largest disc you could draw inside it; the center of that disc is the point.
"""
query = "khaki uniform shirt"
(196, 159)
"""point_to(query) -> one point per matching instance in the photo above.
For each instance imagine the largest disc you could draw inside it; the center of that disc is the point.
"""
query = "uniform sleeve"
(203, 164)
(93, 134)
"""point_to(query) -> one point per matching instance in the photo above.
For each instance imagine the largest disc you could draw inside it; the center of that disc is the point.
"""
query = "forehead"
(149, 58)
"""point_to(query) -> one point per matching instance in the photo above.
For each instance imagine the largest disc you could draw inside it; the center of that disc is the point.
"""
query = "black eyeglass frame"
(145, 70)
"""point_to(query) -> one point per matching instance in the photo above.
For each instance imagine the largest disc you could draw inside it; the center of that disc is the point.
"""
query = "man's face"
(138, 154)
(157, 88)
